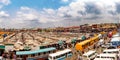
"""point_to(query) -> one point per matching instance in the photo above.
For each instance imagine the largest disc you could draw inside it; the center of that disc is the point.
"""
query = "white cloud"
(47, 15)
(4, 2)
(3, 14)
(25, 8)
(64, 0)
(76, 13)
(28, 17)
(49, 11)
(3, 18)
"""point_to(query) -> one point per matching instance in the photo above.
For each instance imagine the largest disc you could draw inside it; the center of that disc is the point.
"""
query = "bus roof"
(34, 52)
(101, 40)
(111, 50)
(115, 39)
(116, 35)
(84, 42)
(89, 52)
(59, 52)
(103, 59)
(107, 55)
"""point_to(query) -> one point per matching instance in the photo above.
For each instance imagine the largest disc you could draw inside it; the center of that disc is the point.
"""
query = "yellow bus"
(85, 44)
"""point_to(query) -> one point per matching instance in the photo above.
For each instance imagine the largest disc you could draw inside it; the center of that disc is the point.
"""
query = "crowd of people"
(9, 55)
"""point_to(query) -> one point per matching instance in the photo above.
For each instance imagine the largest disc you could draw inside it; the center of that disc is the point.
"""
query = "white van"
(100, 42)
(89, 55)
(107, 56)
(60, 55)
(112, 51)
(103, 59)
(106, 45)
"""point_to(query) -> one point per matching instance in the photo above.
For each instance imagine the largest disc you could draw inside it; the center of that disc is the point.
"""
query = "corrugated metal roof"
(34, 52)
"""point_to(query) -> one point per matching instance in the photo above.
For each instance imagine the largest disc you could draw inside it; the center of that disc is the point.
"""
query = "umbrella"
(60, 42)
(83, 37)
(73, 40)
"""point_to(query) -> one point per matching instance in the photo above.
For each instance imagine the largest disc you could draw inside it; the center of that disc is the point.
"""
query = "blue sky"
(36, 4)
(55, 13)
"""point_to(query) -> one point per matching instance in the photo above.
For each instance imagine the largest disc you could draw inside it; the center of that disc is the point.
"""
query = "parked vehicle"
(60, 55)
(112, 47)
(115, 41)
(100, 42)
(106, 45)
(89, 55)
(107, 56)
(82, 46)
(112, 51)
(42, 53)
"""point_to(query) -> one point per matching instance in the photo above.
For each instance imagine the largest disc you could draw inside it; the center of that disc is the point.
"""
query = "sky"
(57, 13)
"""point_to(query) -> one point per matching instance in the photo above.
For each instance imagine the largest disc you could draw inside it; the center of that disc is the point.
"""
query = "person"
(79, 57)
(4, 55)
(14, 57)
(8, 55)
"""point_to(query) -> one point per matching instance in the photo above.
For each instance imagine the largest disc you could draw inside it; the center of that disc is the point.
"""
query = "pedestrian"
(4, 55)
(14, 57)
(79, 57)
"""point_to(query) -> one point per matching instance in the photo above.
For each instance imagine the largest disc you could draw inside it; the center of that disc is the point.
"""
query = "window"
(98, 57)
(109, 52)
(104, 52)
(57, 57)
(44, 53)
(69, 52)
(115, 52)
(20, 56)
(85, 56)
(91, 55)
(103, 57)
(33, 55)
(54, 58)
(62, 55)
(48, 51)
(39, 54)
(50, 57)
(29, 55)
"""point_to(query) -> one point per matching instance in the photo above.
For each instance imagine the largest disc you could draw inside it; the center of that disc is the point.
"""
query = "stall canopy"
(2, 47)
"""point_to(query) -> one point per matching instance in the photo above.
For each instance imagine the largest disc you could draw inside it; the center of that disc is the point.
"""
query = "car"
(106, 45)
(112, 47)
